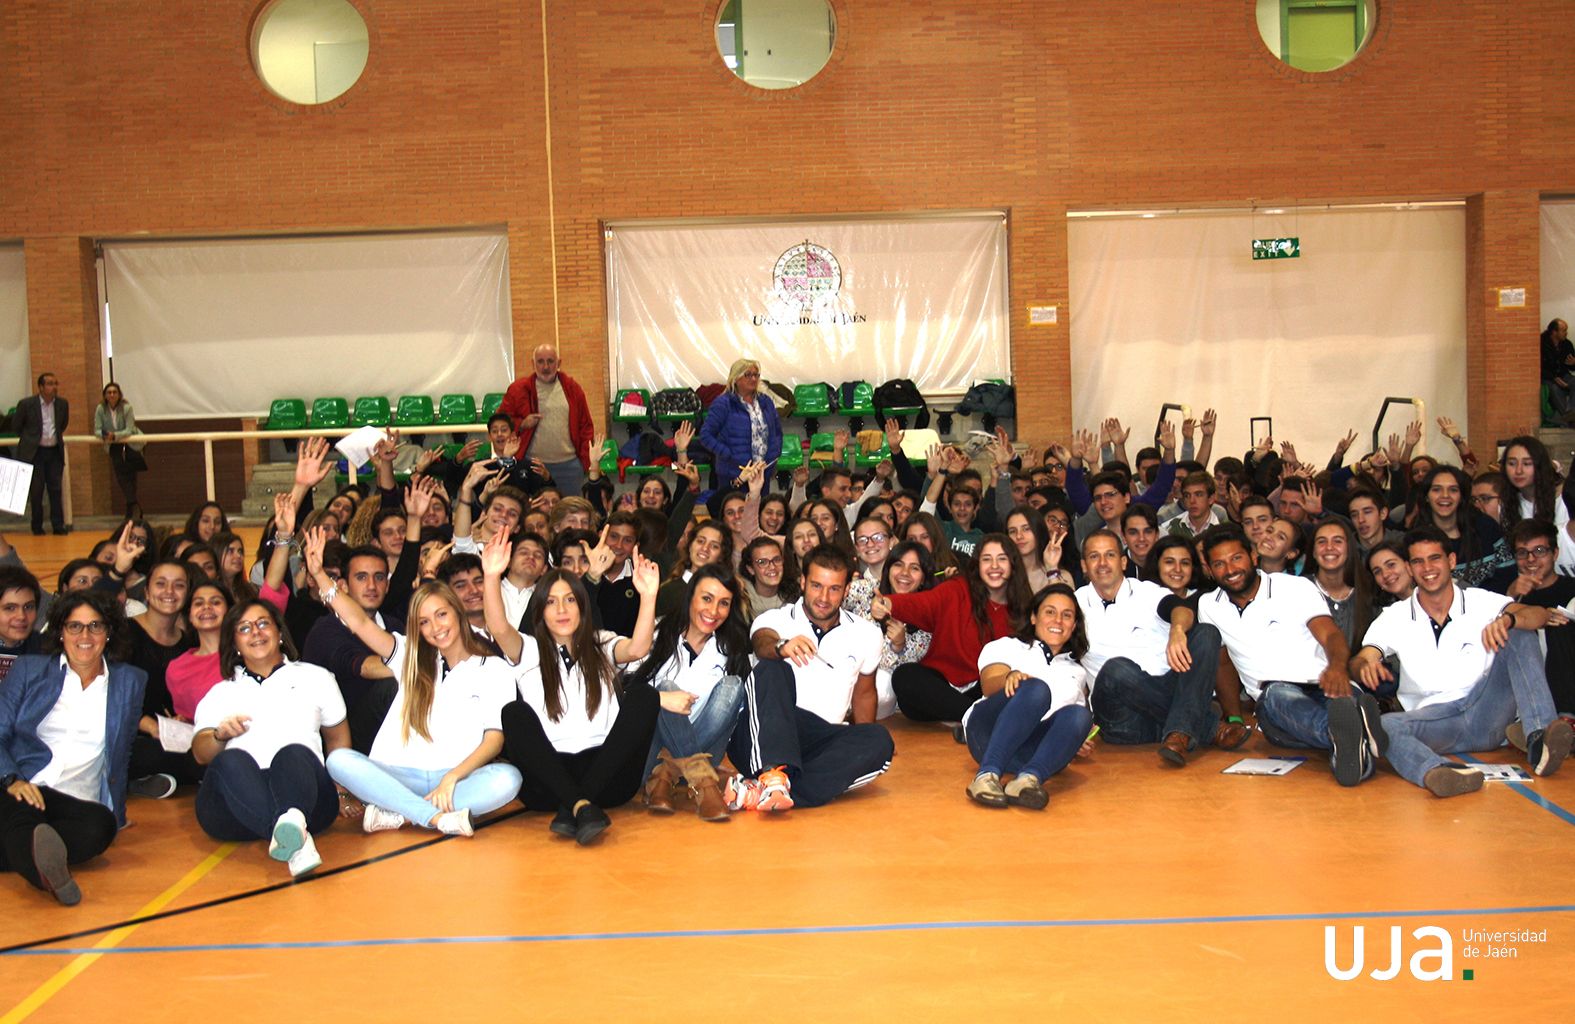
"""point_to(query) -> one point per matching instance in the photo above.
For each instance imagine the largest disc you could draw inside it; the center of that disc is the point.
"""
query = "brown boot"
(705, 787)
(659, 787)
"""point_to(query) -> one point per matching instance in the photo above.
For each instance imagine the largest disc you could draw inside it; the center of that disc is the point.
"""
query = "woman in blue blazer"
(742, 425)
(67, 719)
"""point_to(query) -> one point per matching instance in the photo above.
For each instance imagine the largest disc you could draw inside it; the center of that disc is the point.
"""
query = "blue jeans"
(705, 733)
(1293, 715)
(1010, 735)
(403, 790)
(1516, 683)
(1132, 706)
(569, 475)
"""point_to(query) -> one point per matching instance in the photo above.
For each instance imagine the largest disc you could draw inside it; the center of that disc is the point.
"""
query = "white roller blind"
(923, 298)
(217, 328)
(15, 369)
(1558, 261)
(1174, 309)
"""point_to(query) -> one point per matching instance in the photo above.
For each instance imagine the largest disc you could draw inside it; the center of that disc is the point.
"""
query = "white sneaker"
(454, 823)
(289, 835)
(378, 820)
(305, 859)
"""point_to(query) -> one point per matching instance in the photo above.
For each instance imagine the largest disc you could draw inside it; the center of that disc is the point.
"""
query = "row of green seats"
(808, 400)
(332, 413)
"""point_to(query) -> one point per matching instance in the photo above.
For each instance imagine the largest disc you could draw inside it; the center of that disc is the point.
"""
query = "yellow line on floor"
(43, 993)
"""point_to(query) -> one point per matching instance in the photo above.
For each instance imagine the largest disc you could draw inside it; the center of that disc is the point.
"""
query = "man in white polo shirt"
(1291, 657)
(1153, 667)
(1469, 663)
(816, 663)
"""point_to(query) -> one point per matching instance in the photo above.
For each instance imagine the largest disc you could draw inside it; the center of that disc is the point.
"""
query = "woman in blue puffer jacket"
(742, 426)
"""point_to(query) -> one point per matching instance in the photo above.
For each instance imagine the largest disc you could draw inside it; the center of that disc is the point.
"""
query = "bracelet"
(1235, 718)
(329, 594)
(281, 540)
(1514, 623)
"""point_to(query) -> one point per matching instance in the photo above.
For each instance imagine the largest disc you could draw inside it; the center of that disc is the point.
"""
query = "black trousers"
(608, 776)
(924, 695)
(367, 713)
(148, 757)
(241, 800)
(125, 476)
(86, 826)
(822, 760)
(49, 464)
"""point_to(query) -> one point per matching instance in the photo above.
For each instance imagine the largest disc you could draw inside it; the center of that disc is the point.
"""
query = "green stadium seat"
(874, 458)
(640, 398)
(811, 400)
(370, 411)
(609, 459)
(456, 409)
(413, 411)
(792, 452)
(489, 405)
(863, 400)
(821, 445)
(331, 413)
(286, 414)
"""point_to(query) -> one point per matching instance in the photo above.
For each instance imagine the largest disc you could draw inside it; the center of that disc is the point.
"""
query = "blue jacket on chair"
(726, 434)
(29, 694)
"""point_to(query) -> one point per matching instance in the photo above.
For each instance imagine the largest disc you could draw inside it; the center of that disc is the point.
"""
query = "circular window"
(776, 44)
(1316, 35)
(309, 51)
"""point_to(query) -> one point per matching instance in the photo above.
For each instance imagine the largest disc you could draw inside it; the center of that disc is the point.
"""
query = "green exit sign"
(1276, 248)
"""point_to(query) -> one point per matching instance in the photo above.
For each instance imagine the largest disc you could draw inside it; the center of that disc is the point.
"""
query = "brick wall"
(125, 118)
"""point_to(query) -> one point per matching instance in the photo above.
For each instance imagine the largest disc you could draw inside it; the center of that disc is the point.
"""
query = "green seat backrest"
(489, 404)
(457, 409)
(330, 412)
(811, 400)
(823, 441)
(792, 452)
(413, 411)
(370, 411)
(863, 399)
(287, 414)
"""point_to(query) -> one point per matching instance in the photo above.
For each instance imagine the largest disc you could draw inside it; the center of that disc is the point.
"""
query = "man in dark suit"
(40, 423)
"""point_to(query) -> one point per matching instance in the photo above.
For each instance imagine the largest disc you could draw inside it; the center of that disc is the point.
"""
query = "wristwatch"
(781, 644)
(7, 779)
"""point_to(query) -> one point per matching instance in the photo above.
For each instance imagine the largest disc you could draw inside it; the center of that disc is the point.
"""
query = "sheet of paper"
(1264, 766)
(357, 445)
(175, 735)
(1504, 773)
(15, 480)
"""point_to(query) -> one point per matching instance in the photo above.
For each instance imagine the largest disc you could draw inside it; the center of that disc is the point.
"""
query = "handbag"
(129, 457)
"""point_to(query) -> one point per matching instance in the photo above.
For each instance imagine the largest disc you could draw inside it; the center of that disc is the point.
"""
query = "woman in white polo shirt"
(701, 657)
(262, 732)
(578, 737)
(1036, 717)
(432, 761)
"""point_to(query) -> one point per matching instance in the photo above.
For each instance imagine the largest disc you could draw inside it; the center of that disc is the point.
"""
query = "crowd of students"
(426, 652)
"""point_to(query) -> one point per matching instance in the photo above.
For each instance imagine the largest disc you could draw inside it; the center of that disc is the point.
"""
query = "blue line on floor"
(845, 929)
(1530, 794)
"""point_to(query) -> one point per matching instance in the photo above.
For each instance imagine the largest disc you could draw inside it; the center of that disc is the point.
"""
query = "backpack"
(902, 393)
(709, 393)
(675, 402)
(992, 401)
(782, 396)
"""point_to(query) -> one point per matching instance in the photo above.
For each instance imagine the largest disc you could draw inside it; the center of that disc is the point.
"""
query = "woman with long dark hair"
(205, 521)
(1173, 564)
(984, 602)
(1034, 717)
(908, 570)
(1529, 468)
(763, 569)
(1335, 570)
(1476, 541)
(701, 652)
(578, 734)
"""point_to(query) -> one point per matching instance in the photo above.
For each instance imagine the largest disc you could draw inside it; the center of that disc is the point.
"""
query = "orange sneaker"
(775, 792)
(741, 794)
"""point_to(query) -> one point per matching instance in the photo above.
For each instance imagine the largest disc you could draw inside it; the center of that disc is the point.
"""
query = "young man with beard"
(1469, 662)
(1291, 657)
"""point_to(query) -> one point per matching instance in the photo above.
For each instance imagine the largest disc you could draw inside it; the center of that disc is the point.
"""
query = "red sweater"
(948, 616)
(521, 401)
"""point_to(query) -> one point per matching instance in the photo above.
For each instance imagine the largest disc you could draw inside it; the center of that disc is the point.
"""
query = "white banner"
(1175, 309)
(15, 369)
(1558, 262)
(223, 328)
(923, 298)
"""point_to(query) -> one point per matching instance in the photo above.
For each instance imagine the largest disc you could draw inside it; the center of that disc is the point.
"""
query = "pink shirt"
(189, 679)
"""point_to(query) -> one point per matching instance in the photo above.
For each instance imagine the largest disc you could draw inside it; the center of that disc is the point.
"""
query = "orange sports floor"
(1141, 891)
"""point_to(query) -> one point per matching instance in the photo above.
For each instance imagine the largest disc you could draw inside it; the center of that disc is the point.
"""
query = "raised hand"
(801, 476)
(418, 496)
(127, 550)
(893, 434)
(1209, 420)
(1189, 427)
(386, 448)
(511, 448)
(647, 577)
(1083, 442)
(477, 472)
(1413, 433)
(1052, 553)
(1344, 444)
(1312, 499)
(284, 512)
(689, 471)
(684, 434)
(496, 554)
(310, 469)
(316, 540)
(426, 458)
(1288, 455)
(498, 479)
(880, 607)
(1396, 451)
(600, 557)
(1264, 446)
(1167, 436)
(469, 451)
(1446, 426)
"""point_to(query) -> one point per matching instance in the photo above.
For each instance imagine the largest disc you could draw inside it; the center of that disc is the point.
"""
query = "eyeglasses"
(1483, 499)
(1054, 467)
(1107, 495)
(259, 626)
(871, 539)
(769, 563)
(95, 627)
(1525, 554)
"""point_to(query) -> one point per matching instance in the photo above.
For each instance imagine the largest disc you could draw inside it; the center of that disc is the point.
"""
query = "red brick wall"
(124, 118)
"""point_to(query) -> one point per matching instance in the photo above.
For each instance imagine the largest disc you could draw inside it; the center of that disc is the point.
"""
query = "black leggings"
(86, 827)
(924, 695)
(607, 776)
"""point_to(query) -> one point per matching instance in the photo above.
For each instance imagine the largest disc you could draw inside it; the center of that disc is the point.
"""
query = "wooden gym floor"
(1140, 891)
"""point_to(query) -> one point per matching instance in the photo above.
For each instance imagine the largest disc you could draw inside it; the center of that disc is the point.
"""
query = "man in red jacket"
(550, 412)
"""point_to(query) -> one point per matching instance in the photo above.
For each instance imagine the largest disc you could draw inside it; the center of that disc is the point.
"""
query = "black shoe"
(1447, 780)
(563, 823)
(959, 734)
(1350, 759)
(61, 531)
(590, 822)
(155, 787)
(1547, 748)
(1372, 724)
(49, 860)
(38, 532)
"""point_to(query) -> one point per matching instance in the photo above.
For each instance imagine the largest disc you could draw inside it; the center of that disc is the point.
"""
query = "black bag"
(992, 401)
(902, 393)
(675, 402)
(128, 457)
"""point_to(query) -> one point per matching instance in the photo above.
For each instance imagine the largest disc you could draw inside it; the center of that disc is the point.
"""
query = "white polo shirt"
(575, 730)
(1565, 565)
(1068, 681)
(1268, 640)
(1441, 667)
(293, 705)
(515, 601)
(1128, 627)
(696, 672)
(467, 701)
(74, 733)
(846, 651)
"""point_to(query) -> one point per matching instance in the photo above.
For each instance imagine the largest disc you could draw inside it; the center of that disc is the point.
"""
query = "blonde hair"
(567, 506)
(358, 530)
(418, 674)
(738, 369)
